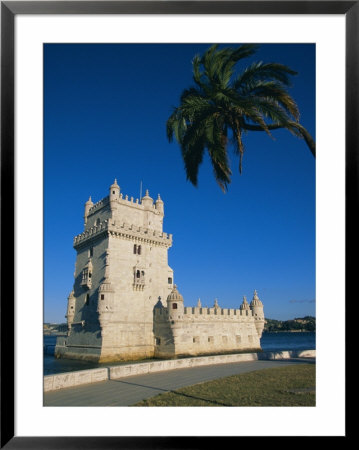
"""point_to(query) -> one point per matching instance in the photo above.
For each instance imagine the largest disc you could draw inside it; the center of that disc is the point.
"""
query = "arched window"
(135, 249)
(87, 300)
(174, 306)
(139, 250)
(139, 278)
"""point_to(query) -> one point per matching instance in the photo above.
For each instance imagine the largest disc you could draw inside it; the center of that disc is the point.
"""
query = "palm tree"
(223, 106)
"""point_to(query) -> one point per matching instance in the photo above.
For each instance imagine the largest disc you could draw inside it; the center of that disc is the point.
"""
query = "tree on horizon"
(223, 106)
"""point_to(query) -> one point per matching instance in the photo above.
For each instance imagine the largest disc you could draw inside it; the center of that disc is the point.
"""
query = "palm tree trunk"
(237, 132)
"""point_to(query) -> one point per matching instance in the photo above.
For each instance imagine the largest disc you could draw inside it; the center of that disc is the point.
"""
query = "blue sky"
(105, 113)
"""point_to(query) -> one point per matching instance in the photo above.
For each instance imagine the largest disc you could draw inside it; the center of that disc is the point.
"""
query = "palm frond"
(259, 71)
(221, 103)
(273, 91)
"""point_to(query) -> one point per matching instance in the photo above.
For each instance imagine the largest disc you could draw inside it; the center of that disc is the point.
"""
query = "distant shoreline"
(289, 331)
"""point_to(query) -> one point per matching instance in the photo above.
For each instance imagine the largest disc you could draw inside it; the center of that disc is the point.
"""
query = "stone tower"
(121, 272)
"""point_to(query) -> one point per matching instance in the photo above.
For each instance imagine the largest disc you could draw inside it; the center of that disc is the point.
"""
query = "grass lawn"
(283, 386)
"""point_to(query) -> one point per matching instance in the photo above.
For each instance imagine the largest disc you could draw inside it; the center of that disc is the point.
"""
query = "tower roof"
(159, 199)
(175, 295)
(115, 184)
(255, 301)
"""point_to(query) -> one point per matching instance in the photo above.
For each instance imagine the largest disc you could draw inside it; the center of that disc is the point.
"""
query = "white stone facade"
(115, 310)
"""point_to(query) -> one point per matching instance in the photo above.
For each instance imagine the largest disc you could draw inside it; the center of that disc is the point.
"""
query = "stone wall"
(64, 380)
(204, 330)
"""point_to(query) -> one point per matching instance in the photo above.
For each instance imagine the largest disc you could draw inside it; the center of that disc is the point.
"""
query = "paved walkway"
(130, 390)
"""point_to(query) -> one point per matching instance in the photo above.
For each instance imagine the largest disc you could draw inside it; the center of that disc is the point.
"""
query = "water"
(269, 342)
(288, 341)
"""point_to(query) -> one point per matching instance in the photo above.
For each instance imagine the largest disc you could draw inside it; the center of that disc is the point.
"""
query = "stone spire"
(244, 304)
(199, 304)
(159, 204)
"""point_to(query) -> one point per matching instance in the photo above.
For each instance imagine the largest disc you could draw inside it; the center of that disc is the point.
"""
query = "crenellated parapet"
(144, 204)
(97, 206)
(245, 312)
(124, 230)
(219, 313)
(190, 312)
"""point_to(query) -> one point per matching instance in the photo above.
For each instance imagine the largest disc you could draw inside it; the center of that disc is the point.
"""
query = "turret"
(88, 205)
(175, 304)
(159, 205)
(258, 313)
(147, 201)
(105, 302)
(114, 194)
(70, 310)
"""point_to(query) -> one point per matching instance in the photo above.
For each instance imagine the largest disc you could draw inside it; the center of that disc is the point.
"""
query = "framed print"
(58, 53)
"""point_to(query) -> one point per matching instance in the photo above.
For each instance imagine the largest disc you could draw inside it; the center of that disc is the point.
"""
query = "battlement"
(99, 205)
(123, 200)
(190, 312)
(124, 230)
(224, 313)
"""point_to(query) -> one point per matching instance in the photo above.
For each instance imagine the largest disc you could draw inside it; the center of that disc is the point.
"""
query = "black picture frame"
(9, 9)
